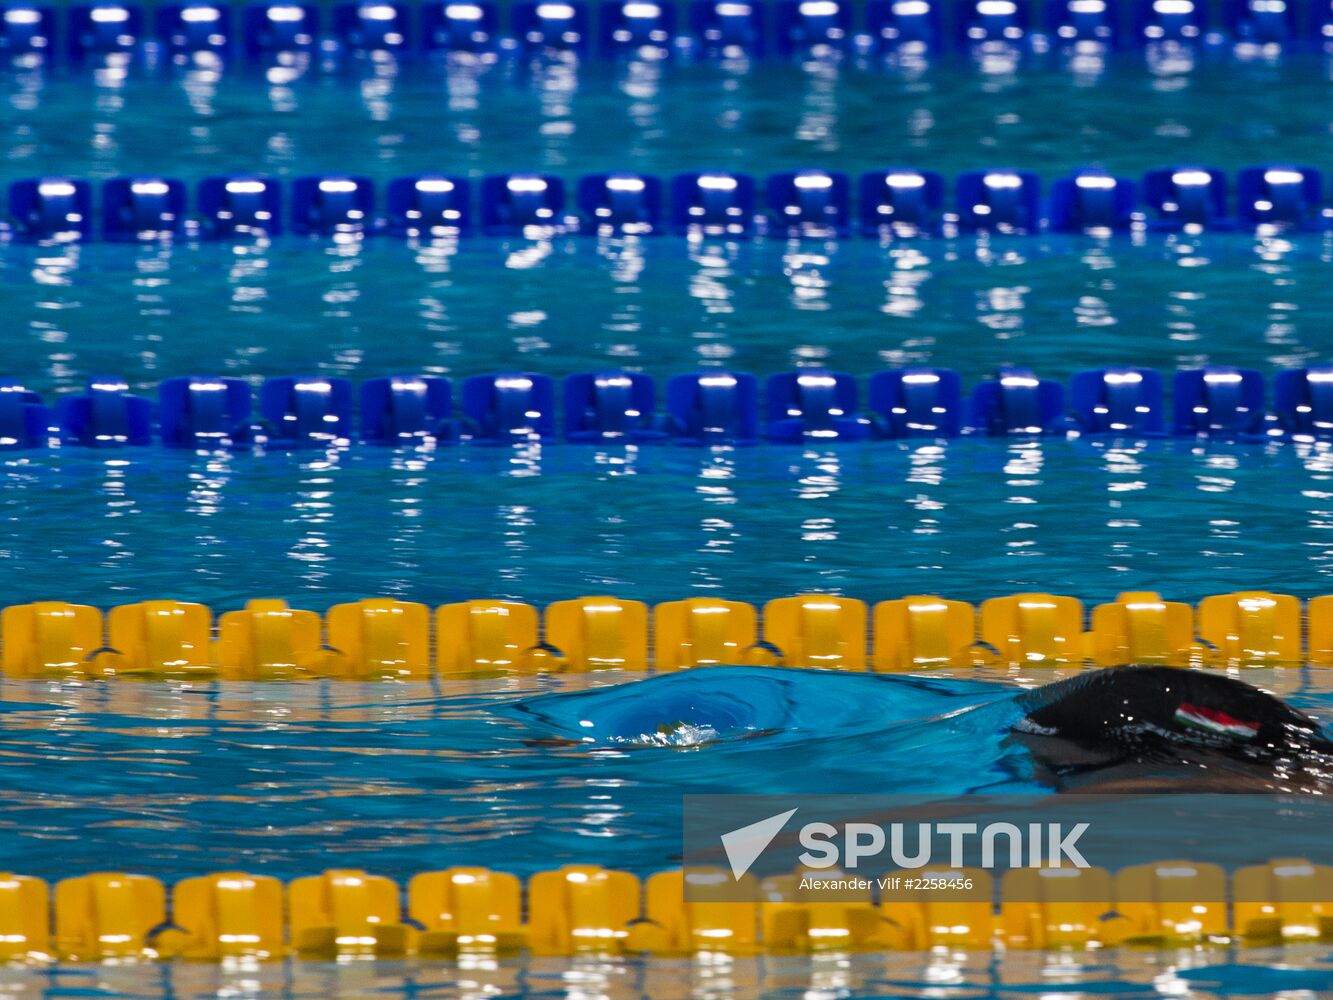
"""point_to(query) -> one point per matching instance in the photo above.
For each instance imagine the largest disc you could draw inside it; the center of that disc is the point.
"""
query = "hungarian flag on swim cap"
(1210, 720)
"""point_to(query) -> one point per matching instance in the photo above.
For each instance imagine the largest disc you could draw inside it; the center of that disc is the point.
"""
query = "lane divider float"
(390, 639)
(589, 910)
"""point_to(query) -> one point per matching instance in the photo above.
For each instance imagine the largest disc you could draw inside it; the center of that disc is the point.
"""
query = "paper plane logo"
(744, 845)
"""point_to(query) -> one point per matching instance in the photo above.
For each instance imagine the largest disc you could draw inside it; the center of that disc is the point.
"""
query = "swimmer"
(1135, 729)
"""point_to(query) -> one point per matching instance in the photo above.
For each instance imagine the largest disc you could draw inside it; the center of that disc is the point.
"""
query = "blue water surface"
(968, 519)
(522, 774)
(526, 772)
(1124, 111)
(662, 305)
(408, 778)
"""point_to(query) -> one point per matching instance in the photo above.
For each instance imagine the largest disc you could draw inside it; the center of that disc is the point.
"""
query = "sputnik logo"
(744, 845)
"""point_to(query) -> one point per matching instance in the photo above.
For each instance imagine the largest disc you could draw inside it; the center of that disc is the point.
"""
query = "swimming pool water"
(950, 116)
(399, 778)
(969, 519)
(521, 774)
(1053, 304)
(174, 780)
(1288, 972)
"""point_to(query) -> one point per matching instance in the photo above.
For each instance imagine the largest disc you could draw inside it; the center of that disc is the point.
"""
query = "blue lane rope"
(84, 34)
(894, 202)
(704, 407)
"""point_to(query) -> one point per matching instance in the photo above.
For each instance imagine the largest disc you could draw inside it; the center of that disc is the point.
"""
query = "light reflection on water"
(664, 305)
(180, 779)
(969, 519)
(1291, 974)
(949, 115)
(183, 778)
(173, 776)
